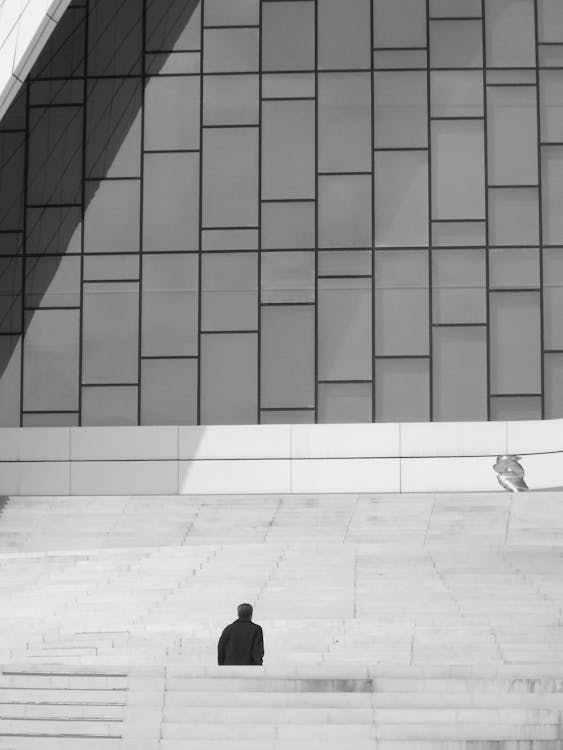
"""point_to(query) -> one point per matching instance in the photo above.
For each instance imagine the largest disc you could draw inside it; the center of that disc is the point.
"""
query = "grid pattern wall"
(241, 211)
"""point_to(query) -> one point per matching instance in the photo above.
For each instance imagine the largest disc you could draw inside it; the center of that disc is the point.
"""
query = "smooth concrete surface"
(235, 442)
(432, 457)
(25, 28)
(346, 475)
(392, 621)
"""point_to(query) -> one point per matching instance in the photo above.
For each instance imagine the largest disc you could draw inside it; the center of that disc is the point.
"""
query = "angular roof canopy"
(25, 27)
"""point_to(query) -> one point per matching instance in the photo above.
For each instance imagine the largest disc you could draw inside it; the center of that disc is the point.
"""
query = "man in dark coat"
(242, 642)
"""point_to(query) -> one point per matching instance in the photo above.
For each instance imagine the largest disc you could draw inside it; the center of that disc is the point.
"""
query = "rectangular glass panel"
(512, 129)
(345, 402)
(511, 267)
(550, 21)
(52, 282)
(456, 44)
(56, 92)
(12, 175)
(456, 93)
(115, 38)
(460, 373)
(552, 194)
(54, 230)
(400, 109)
(109, 405)
(171, 202)
(287, 356)
(230, 50)
(170, 305)
(512, 75)
(288, 149)
(553, 297)
(111, 267)
(400, 59)
(172, 117)
(515, 342)
(11, 243)
(516, 407)
(399, 23)
(344, 329)
(458, 169)
(345, 211)
(510, 31)
(113, 129)
(229, 378)
(10, 382)
(458, 233)
(287, 417)
(229, 239)
(288, 225)
(50, 419)
(513, 216)
(169, 391)
(551, 56)
(111, 218)
(173, 63)
(232, 12)
(459, 286)
(288, 277)
(55, 155)
(51, 355)
(229, 297)
(402, 390)
(110, 334)
(401, 302)
(551, 102)
(343, 34)
(553, 386)
(230, 177)
(10, 295)
(451, 8)
(345, 263)
(344, 122)
(288, 36)
(174, 25)
(288, 85)
(401, 198)
(230, 100)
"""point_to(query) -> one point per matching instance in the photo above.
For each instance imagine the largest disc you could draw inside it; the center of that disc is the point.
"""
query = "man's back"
(241, 642)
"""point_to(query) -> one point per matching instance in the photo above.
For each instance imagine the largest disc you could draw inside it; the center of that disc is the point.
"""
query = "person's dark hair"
(245, 611)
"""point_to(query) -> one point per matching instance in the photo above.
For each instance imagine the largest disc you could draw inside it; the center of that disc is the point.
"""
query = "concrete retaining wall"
(422, 457)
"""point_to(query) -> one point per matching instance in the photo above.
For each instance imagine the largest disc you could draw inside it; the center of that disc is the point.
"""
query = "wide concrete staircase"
(391, 622)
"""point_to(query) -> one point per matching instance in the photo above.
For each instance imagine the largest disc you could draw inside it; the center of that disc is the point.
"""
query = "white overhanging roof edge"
(25, 28)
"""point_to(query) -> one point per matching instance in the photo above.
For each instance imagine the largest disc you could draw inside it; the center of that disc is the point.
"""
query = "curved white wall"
(422, 457)
(25, 27)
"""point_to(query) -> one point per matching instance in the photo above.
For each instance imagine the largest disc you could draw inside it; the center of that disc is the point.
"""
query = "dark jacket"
(242, 642)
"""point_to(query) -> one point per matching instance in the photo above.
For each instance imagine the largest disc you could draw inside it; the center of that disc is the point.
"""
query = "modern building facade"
(234, 211)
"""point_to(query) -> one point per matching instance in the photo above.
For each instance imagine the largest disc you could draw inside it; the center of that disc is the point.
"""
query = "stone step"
(62, 711)
(358, 716)
(68, 697)
(488, 700)
(57, 727)
(350, 733)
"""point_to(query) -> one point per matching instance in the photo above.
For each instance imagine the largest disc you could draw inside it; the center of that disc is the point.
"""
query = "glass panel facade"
(514, 332)
(401, 314)
(344, 329)
(262, 211)
(287, 356)
(401, 389)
